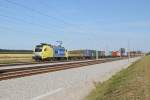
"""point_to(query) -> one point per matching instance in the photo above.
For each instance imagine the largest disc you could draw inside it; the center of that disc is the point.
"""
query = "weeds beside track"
(132, 83)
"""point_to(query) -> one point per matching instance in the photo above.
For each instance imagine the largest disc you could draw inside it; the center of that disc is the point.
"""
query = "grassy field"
(15, 58)
(132, 83)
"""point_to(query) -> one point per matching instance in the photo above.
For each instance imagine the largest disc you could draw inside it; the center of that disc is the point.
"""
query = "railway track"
(31, 63)
(28, 71)
(42, 62)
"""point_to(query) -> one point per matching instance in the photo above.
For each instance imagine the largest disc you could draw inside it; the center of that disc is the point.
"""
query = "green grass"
(132, 83)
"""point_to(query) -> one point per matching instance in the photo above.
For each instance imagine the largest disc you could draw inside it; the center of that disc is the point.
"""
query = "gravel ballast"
(70, 84)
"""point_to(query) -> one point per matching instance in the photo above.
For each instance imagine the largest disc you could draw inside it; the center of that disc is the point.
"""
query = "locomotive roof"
(42, 44)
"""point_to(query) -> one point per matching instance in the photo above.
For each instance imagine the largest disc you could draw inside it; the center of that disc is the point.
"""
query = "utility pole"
(128, 50)
(96, 54)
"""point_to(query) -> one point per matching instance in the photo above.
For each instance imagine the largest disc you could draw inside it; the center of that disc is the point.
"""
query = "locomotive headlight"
(38, 54)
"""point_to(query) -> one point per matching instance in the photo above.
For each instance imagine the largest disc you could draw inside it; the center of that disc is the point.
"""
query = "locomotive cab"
(42, 52)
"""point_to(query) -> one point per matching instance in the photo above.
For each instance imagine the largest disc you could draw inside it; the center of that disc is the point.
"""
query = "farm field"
(15, 58)
(132, 83)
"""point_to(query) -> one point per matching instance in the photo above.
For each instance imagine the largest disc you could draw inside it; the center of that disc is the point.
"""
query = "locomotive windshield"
(38, 49)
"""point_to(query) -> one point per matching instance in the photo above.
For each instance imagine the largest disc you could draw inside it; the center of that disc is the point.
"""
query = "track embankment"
(70, 84)
(132, 83)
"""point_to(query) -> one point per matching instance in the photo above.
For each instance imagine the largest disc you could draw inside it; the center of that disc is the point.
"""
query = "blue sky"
(80, 24)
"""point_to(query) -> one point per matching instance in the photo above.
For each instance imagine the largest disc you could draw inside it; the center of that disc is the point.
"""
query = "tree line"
(5, 51)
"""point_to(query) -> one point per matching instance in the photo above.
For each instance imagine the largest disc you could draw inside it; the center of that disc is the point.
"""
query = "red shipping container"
(116, 54)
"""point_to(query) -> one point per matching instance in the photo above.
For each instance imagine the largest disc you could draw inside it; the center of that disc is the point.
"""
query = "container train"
(51, 52)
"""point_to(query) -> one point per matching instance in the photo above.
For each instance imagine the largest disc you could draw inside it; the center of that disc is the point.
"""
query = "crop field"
(15, 58)
(132, 83)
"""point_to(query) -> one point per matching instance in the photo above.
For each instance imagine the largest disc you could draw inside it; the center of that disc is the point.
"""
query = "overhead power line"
(6, 28)
(28, 22)
(11, 29)
(37, 11)
(28, 15)
(41, 13)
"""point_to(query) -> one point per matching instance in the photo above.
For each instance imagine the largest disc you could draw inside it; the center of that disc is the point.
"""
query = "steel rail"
(22, 72)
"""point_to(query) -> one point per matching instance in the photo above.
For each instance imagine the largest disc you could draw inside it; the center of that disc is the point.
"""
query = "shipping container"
(76, 53)
(116, 54)
(91, 53)
(82, 53)
(135, 53)
(122, 51)
(124, 54)
(101, 54)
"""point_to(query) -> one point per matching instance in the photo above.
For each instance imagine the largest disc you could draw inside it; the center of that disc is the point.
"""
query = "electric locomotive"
(49, 52)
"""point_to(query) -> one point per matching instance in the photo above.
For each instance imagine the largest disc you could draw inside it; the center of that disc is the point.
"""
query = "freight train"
(51, 52)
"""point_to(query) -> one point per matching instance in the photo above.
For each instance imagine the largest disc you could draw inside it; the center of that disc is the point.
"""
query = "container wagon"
(101, 54)
(82, 54)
